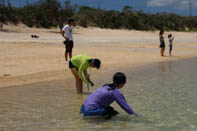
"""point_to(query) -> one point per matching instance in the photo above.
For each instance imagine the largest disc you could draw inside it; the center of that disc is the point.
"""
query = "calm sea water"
(165, 94)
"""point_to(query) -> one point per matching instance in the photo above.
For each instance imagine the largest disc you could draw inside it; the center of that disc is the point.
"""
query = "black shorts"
(71, 65)
(68, 46)
(162, 45)
(170, 47)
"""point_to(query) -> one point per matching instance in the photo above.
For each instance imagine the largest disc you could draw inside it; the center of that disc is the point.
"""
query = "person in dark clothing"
(162, 42)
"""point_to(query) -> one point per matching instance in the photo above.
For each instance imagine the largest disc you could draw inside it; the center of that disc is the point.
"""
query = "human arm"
(172, 38)
(83, 68)
(87, 76)
(122, 102)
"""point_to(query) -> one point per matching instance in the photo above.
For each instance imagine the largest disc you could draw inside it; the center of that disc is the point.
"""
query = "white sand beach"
(25, 60)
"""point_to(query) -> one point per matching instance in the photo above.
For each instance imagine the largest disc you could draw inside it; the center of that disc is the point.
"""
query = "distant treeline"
(50, 13)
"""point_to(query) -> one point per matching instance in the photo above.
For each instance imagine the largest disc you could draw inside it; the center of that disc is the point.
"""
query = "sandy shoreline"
(24, 60)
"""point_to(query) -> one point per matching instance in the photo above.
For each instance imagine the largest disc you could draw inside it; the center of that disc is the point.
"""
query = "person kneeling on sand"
(79, 64)
(98, 103)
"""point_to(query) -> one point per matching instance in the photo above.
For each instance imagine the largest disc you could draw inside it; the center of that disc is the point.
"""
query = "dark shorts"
(68, 46)
(71, 65)
(107, 112)
(96, 112)
(170, 47)
(162, 45)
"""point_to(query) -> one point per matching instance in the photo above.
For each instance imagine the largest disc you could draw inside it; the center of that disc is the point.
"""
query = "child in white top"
(170, 38)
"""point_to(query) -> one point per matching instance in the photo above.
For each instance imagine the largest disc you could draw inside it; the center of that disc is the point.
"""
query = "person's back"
(161, 38)
(162, 42)
(101, 98)
(79, 59)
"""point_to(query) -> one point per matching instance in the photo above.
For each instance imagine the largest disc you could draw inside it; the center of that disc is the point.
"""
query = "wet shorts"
(96, 112)
(68, 46)
(107, 112)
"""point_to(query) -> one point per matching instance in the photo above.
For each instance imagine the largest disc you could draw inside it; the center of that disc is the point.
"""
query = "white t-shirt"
(170, 40)
(68, 32)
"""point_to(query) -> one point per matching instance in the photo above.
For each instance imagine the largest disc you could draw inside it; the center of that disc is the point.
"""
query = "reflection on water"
(164, 94)
(166, 66)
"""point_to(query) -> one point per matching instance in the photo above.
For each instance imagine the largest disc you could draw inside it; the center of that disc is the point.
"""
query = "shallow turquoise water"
(165, 94)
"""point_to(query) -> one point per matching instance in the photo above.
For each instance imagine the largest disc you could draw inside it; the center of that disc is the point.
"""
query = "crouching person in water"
(98, 103)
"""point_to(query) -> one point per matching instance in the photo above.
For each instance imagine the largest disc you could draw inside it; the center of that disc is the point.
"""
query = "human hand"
(66, 38)
(92, 84)
(137, 115)
(88, 87)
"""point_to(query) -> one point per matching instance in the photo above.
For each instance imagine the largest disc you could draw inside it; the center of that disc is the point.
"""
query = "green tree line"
(50, 13)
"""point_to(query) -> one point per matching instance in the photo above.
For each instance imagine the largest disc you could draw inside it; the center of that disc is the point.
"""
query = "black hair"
(96, 62)
(161, 32)
(118, 79)
(112, 86)
(170, 35)
(70, 21)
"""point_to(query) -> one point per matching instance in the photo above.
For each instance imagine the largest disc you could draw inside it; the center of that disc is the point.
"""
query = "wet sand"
(24, 60)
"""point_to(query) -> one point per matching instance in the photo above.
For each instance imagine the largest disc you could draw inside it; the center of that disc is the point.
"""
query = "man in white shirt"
(67, 34)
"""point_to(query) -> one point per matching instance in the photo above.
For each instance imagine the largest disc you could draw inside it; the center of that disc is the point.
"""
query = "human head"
(161, 32)
(119, 79)
(95, 63)
(170, 35)
(71, 22)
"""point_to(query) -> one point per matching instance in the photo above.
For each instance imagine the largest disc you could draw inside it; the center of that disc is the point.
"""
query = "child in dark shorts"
(171, 38)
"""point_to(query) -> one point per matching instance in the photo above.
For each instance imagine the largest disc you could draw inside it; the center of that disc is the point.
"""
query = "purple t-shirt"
(103, 97)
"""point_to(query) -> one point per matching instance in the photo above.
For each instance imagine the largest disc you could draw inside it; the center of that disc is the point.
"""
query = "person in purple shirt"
(98, 103)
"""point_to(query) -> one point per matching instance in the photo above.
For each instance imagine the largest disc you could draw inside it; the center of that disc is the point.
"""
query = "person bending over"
(78, 66)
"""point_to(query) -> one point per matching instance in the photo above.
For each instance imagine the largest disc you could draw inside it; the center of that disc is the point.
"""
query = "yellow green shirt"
(81, 62)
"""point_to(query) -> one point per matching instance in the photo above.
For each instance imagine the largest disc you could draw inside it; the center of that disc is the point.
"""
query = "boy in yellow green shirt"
(79, 65)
